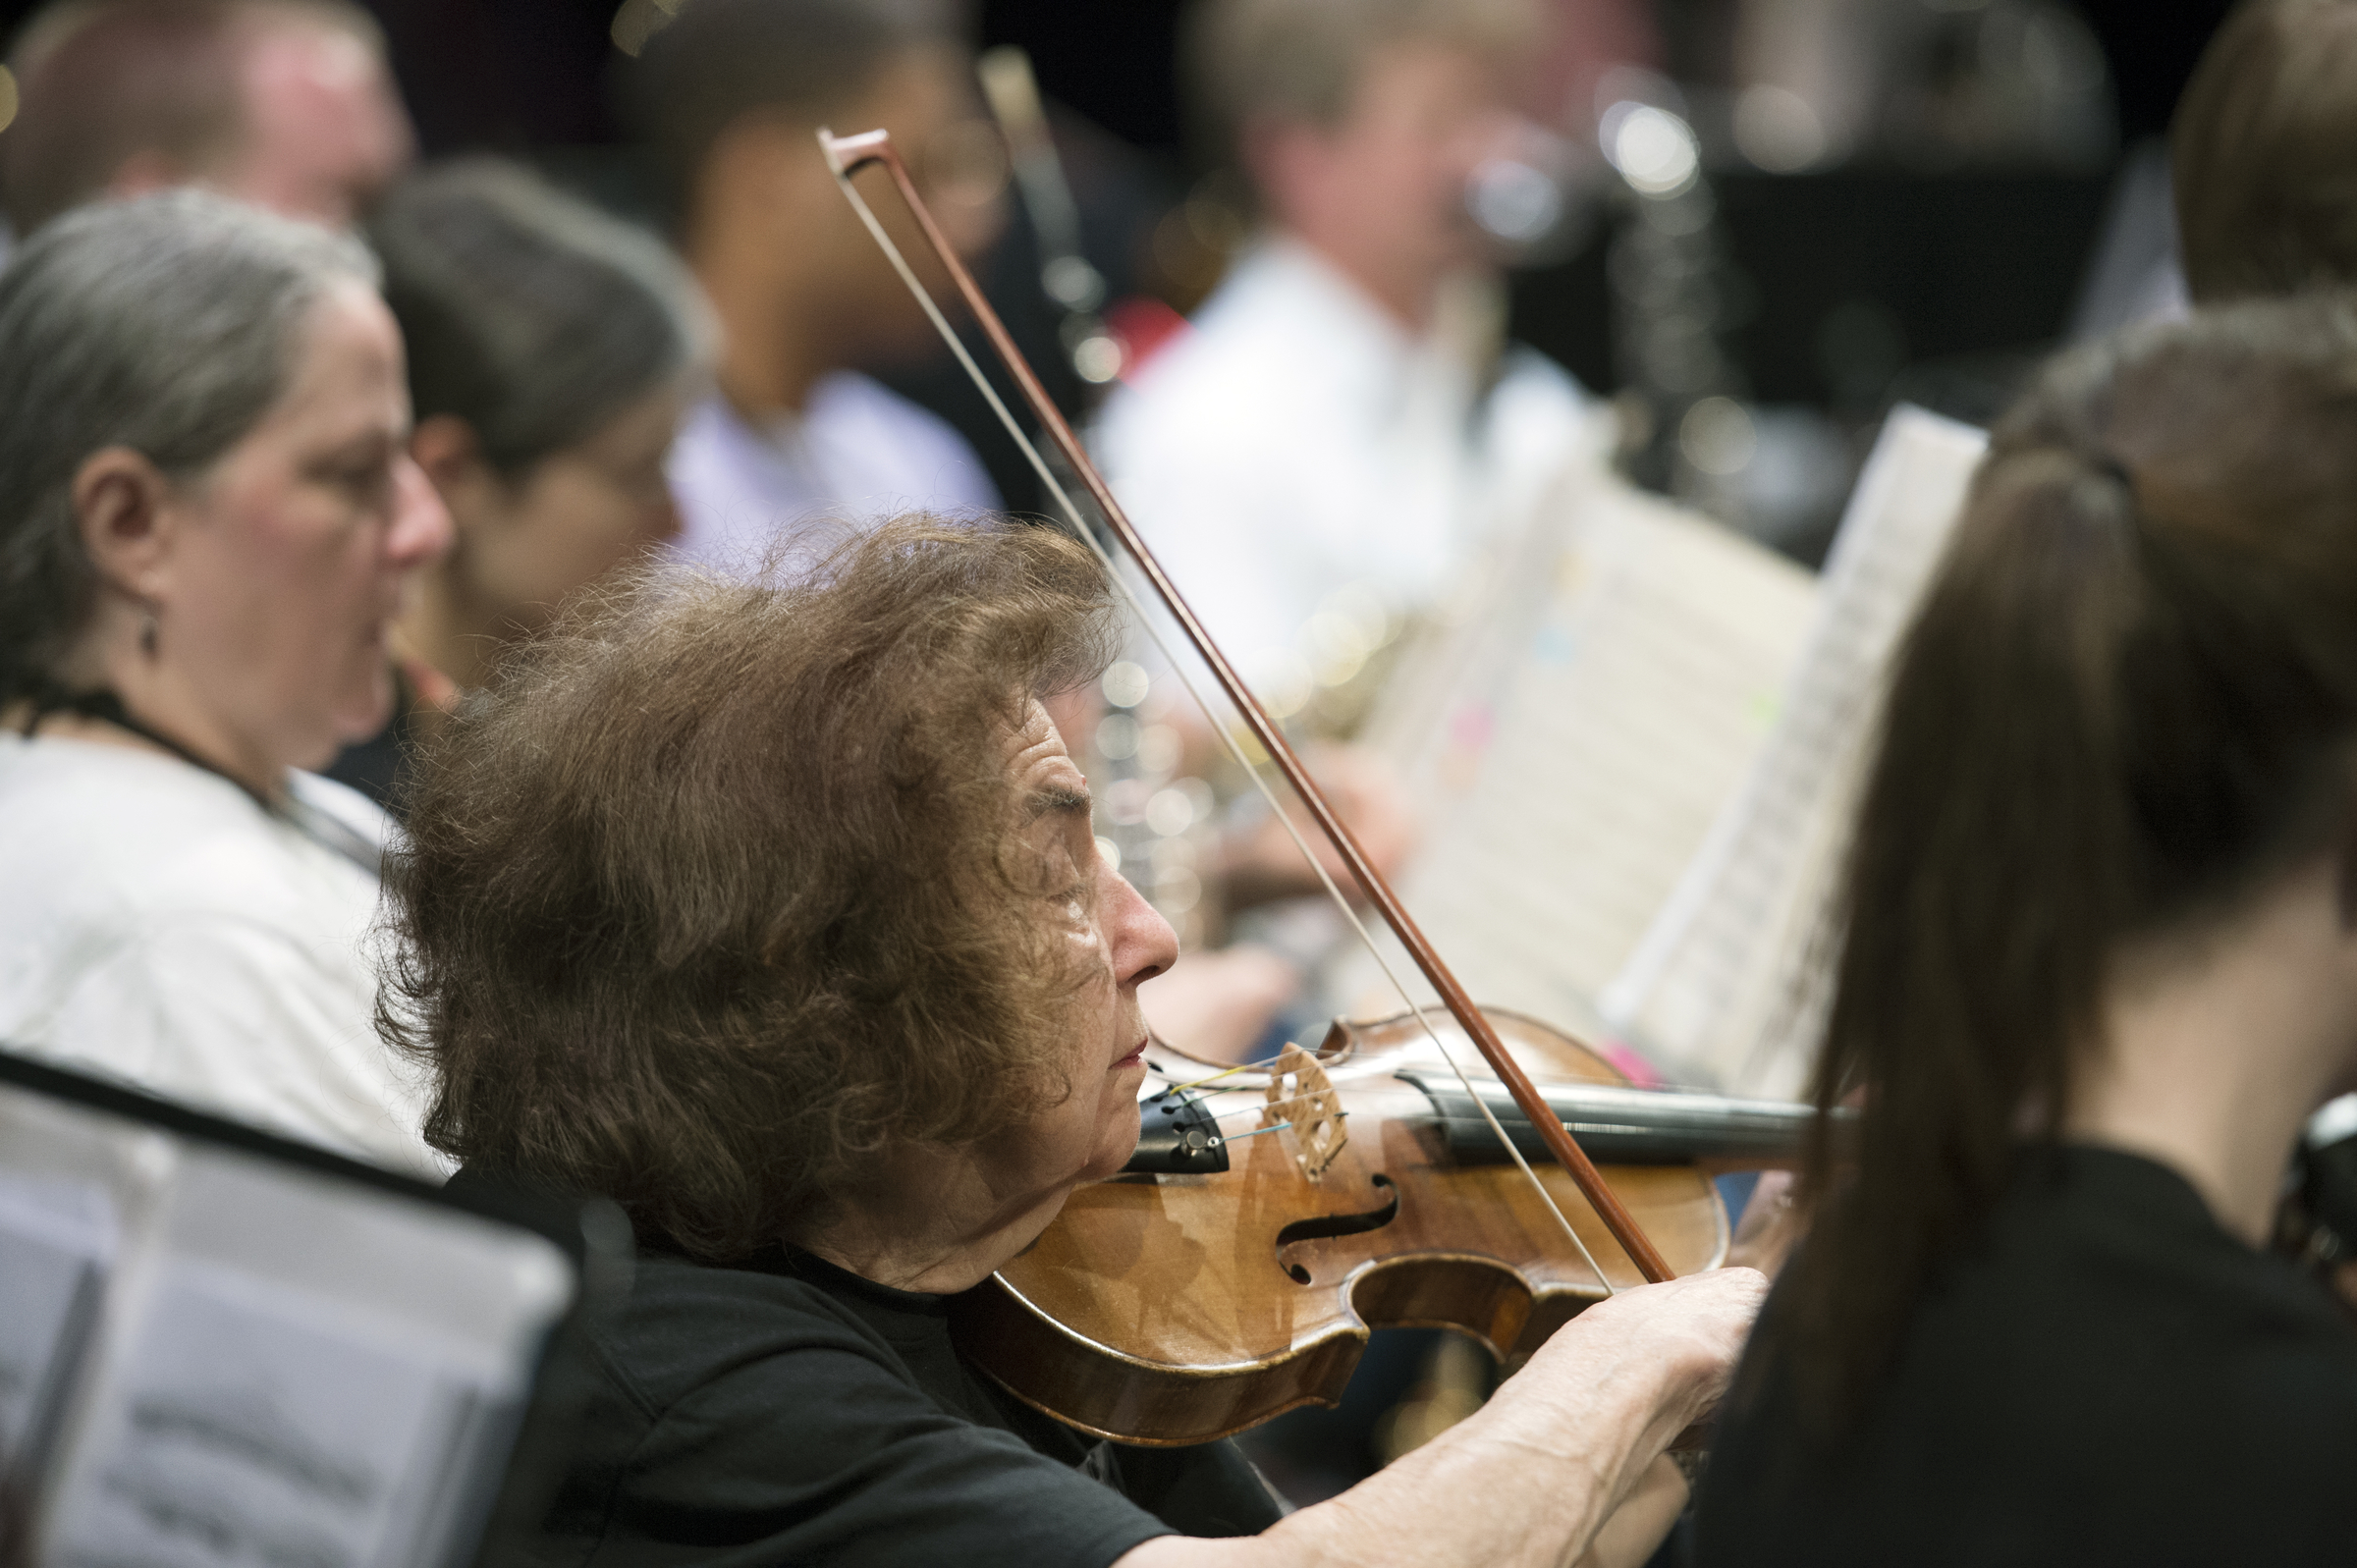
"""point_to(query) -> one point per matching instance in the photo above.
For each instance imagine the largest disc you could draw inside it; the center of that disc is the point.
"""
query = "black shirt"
(783, 1411)
(2110, 1379)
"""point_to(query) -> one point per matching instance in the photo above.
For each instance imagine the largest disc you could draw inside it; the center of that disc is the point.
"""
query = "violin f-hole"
(1321, 1227)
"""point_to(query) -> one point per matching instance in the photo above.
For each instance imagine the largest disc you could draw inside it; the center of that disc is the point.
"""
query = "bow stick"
(847, 156)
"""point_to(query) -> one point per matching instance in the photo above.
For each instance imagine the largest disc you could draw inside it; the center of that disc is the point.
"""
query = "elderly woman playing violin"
(774, 912)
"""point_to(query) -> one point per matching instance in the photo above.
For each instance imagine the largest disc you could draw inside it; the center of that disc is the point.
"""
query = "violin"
(1178, 1304)
(1227, 1278)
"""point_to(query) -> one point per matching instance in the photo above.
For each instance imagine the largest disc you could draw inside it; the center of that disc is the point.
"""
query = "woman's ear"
(446, 448)
(120, 504)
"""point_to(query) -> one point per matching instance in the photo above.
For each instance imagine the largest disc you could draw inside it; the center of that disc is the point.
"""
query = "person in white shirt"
(731, 94)
(1341, 416)
(1341, 428)
(208, 521)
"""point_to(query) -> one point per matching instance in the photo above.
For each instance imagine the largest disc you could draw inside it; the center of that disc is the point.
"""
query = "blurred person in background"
(731, 94)
(286, 104)
(1343, 419)
(553, 352)
(208, 524)
(1341, 415)
(2264, 153)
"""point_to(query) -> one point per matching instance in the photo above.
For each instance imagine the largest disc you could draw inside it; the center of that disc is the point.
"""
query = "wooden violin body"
(1175, 1309)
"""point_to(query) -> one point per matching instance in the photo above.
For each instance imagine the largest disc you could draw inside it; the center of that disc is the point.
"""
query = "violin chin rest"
(1177, 1137)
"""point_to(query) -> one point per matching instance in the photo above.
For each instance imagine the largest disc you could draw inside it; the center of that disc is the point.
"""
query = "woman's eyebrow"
(1057, 798)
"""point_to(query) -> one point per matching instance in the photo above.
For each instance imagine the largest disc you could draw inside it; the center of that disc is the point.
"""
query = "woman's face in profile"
(297, 547)
(1110, 935)
(574, 517)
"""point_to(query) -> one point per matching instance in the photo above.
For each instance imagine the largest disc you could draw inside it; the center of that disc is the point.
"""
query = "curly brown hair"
(705, 904)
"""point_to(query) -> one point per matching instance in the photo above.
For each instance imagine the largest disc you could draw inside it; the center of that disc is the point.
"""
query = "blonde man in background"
(1340, 413)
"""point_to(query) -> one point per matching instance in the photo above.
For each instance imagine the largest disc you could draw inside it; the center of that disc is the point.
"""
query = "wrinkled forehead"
(1051, 810)
(1041, 768)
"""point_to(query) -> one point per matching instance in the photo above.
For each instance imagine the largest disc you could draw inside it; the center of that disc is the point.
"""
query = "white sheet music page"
(58, 1239)
(259, 1425)
(1609, 696)
(1724, 987)
(294, 1369)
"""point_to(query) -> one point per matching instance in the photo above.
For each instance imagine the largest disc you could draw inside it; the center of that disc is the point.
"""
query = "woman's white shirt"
(158, 927)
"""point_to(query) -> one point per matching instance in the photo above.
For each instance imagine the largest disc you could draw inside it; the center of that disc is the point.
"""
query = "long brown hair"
(2126, 705)
(2260, 152)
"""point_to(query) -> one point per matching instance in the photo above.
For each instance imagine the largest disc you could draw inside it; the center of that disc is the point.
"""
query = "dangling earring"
(147, 633)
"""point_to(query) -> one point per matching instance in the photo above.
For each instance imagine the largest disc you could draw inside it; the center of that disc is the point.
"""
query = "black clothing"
(2109, 1379)
(785, 1411)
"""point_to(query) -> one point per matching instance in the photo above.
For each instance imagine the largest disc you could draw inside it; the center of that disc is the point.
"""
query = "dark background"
(527, 74)
(1967, 263)
(1964, 267)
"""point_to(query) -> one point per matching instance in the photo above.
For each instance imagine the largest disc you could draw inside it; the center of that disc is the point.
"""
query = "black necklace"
(104, 705)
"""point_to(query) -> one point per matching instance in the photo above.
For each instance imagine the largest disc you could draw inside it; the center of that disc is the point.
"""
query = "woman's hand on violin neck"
(1532, 1476)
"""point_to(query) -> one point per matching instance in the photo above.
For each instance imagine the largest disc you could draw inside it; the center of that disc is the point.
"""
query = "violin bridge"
(1304, 1112)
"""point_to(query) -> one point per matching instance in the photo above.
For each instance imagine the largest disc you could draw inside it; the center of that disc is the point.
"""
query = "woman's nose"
(1142, 943)
(421, 531)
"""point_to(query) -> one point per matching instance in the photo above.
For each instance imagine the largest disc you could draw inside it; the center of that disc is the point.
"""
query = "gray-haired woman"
(553, 351)
(209, 520)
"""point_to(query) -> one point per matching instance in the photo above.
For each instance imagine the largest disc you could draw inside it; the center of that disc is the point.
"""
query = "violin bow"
(847, 156)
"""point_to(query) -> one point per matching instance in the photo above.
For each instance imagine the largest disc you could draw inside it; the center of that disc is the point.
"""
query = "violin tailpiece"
(1305, 1111)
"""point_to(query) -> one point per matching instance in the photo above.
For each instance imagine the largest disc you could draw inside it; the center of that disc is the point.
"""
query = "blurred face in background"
(526, 544)
(926, 100)
(1382, 190)
(324, 130)
(321, 131)
(768, 208)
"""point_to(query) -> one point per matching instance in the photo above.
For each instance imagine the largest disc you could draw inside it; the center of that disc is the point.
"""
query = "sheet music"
(58, 1238)
(1722, 988)
(262, 1425)
(207, 1355)
(1606, 701)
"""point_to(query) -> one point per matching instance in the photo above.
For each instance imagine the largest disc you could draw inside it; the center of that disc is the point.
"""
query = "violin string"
(1192, 1101)
(1088, 537)
(1182, 1088)
(1239, 1137)
(1339, 1116)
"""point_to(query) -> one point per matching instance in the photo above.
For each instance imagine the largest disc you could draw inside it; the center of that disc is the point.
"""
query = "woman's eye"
(368, 481)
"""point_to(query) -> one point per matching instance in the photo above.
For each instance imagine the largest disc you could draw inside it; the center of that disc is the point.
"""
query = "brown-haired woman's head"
(2124, 713)
(2260, 152)
(722, 893)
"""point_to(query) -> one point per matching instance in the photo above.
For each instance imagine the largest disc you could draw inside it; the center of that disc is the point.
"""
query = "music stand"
(220, 1345)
